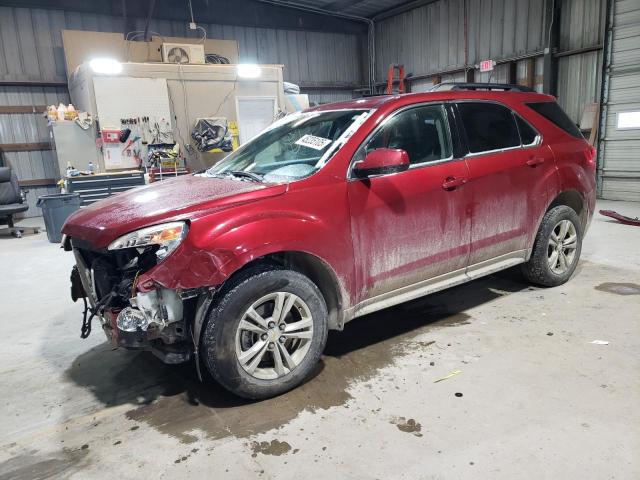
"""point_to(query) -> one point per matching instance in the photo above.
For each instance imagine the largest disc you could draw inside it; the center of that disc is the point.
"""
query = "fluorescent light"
(249, 70)
(109, 66)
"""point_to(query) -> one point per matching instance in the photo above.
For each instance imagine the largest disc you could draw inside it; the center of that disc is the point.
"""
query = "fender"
(547, 188)
(559, 199)
(575, 178)
(214, 250)
(577, 172)
(574, 182)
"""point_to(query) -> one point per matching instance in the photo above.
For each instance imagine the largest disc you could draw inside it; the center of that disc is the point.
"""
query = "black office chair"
(12, 201)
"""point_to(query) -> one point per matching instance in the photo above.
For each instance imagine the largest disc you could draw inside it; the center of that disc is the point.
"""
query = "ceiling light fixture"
(249, 70)
(108, 66)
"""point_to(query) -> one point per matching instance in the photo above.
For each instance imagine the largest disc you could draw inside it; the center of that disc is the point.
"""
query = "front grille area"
(114, 272)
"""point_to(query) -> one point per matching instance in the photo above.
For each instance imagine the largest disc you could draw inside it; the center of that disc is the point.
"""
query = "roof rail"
(506, 87)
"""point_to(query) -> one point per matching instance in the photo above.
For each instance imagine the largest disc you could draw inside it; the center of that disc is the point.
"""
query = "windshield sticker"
(359, 120)
(311, 141)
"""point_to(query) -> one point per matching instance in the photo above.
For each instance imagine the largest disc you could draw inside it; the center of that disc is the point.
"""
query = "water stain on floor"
(34, 467)
(274, 447)
(347, 359)
(184, 458)
(619, 288)
(408, 426)
(174, 402)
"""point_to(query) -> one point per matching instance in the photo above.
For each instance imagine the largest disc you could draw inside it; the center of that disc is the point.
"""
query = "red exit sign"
(486, 65)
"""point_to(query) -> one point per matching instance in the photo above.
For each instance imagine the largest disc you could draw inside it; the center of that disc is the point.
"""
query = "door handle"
(450, 183)
(533, 161)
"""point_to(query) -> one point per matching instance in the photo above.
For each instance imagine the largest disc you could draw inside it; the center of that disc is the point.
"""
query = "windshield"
(295, 147)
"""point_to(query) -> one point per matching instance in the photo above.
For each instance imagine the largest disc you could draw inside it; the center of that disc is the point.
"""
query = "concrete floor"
(534, 399)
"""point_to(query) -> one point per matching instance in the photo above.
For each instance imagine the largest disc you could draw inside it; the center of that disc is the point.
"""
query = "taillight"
(590, 156)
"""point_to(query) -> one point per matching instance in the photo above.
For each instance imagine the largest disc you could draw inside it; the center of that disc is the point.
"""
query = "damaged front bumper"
(155, 320)
(157, 324)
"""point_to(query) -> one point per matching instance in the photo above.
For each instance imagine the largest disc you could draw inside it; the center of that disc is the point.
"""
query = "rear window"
(488, 126)
(552, 112)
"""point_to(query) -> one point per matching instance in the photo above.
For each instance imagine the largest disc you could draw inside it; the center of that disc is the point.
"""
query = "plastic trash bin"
(56, 209)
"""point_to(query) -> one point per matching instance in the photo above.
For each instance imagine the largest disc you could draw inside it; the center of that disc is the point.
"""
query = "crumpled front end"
(156, 320)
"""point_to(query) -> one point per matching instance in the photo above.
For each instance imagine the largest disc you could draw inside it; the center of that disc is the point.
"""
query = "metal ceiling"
(356, 8)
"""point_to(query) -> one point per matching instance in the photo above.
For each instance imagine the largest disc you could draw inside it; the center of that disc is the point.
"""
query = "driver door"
(411, 226)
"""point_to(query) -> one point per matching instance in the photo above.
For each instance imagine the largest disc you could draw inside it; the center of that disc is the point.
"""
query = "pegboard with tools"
(139, 108)
(137, 134)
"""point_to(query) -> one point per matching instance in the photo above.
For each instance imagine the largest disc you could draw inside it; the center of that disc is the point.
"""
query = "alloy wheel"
(274, 335)
(563, 243)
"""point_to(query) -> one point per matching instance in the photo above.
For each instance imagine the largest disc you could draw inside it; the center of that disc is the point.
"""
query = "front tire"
(556, 249)
(265, 333)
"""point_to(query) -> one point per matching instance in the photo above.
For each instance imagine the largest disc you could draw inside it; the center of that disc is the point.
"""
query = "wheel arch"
(313, 267)
(571, 198)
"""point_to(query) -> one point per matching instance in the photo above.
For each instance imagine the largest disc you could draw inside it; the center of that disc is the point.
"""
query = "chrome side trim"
(435, 284)
(494, 265)
(491, 152)
(432, 162)
(536, 143)
(410, 292)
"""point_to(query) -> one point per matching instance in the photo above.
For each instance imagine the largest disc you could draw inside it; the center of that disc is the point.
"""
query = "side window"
(489, 126)
(527, 134)
(421, 131)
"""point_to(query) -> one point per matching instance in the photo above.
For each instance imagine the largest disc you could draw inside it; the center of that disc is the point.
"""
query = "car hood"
(181, 198)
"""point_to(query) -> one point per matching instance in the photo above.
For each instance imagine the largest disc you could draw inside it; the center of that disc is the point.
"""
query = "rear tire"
(265, 333)
(556, 249)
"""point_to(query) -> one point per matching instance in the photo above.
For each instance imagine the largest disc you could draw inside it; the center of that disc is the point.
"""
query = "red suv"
(328, 215)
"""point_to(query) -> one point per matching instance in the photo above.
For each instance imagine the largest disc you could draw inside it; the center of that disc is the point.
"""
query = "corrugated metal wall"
(581, 26)
(31, 50)
(430, 39)
(30, 128)
(581, 23)
(619, 148)
(579, 82)
(504, 28)
(31, 45)
(427, 40)
(328, 96)
(424, 84)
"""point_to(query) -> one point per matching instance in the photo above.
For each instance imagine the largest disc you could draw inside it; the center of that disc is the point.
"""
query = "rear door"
(506, 182)
(411, 226)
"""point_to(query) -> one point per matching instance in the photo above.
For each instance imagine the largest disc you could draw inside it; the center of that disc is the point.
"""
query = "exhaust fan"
(182, 53)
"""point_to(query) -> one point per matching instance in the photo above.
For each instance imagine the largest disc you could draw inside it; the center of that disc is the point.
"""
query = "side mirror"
(382, 161)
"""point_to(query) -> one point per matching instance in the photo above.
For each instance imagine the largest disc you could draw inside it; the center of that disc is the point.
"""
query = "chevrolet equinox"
(328, 215)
